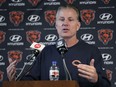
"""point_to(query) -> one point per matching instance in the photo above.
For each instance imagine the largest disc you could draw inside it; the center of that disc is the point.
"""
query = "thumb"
(92, 62)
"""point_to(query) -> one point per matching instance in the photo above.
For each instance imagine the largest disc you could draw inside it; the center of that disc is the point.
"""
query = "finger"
(84, 67)
(9, 68)
(13, 64)
(13, 70)
(92, 62)
(84, 76)
(84, 72)
(12, 73)
(12, 76)
(90, 78)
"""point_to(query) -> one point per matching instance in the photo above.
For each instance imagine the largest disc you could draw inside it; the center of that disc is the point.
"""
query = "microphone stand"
(24, 72)
(67, 73)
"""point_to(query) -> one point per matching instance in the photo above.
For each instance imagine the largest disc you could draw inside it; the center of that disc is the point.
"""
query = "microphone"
(62, 49)
(38, 47)
(61, 46)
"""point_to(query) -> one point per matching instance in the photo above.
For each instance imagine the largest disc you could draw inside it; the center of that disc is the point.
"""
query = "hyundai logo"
(1, 57)
(105, 16)
(16, 0)
(15, 38)
(51, 37)
(2, 18)
(86, 37)
(106, 56)
(34, 18)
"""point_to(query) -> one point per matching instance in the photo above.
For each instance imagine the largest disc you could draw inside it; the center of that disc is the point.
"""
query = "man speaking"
(87, 70)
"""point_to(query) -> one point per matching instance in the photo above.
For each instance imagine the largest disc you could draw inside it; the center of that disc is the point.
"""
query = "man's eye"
(68, 19)
(61, 19)
(71, 20)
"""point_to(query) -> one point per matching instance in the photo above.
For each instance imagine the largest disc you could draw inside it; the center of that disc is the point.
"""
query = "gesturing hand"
(88, 71)
(11, 71)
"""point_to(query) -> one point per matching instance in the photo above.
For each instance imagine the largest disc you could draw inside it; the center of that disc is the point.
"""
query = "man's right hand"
(11, 71)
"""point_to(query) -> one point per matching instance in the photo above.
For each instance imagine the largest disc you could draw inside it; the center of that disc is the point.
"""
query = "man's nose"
(64, 24)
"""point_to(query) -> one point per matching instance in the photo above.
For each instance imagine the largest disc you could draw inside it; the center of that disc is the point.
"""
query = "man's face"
(66, 23)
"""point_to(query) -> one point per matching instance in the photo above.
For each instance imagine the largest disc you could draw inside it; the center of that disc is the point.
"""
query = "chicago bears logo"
(16, 17)
(109, 74)
(105, 35)
(33, 36)
(69, 1)
(87, 16)
(2, 1)
(106, 1)
(50, 17)
(14, 55)
(2, 36)
(1, 75)
(34, 2)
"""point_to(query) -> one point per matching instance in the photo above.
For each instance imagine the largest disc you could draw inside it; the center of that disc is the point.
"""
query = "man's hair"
(71, 7)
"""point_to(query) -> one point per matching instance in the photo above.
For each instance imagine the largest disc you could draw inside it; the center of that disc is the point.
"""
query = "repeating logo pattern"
(87, 16)
(34, 18)
(69, 1)
(106, 57)
(87, 37)
(105, 35)
(106, 1)
(34, 2)
(16, 1)
(25, 21)
(2, 1)
(33, 36)
(105, 16)
(15, 55)
(51, 37)
(2, 18)
(2, 36)
(16, 17)
(15, 38)
(50, 16)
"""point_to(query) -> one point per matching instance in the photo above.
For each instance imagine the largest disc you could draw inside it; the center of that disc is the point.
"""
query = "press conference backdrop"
(25, 21)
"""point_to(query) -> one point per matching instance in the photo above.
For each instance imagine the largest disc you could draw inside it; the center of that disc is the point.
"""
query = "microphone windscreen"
(61, 46)
(37, 46)
(60, 43)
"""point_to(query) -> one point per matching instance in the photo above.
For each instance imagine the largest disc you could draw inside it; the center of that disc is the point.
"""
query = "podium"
(60, 83)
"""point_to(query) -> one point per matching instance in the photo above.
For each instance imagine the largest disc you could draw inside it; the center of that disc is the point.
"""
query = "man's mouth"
(65, 29)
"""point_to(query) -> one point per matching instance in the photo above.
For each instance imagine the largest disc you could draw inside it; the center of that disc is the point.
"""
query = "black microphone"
(62, 49)
(38, 47)
(61, 46)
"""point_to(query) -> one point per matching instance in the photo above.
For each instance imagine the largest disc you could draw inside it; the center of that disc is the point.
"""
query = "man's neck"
(71, 42)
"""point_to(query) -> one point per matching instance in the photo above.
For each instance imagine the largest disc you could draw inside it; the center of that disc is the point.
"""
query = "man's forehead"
(66, 9)
(63, 16)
